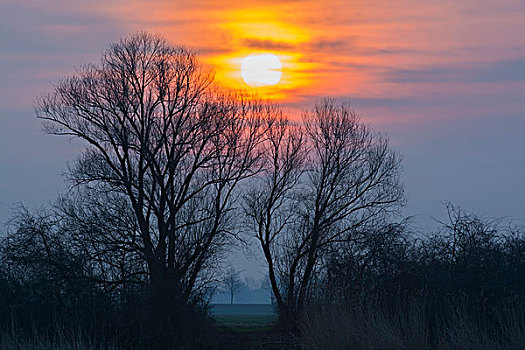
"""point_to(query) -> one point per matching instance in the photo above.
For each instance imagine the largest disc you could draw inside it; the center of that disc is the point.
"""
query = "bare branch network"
(171, 161)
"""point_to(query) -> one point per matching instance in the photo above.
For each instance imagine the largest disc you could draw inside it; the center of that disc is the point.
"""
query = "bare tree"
(232, 282)
(160, 137)
(322, 182)
(269, 205)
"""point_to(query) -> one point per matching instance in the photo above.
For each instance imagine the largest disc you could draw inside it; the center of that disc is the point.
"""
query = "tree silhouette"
(322, 182)
(158, 134)
(232, 282)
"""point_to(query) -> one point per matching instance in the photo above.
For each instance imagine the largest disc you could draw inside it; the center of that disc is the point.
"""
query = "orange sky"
(376, 53)
(360, 49)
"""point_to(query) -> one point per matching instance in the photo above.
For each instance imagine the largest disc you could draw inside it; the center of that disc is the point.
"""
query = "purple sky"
(445, 80)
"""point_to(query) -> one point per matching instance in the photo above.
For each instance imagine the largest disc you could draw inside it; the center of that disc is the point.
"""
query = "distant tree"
(232, 282)
(322, 182)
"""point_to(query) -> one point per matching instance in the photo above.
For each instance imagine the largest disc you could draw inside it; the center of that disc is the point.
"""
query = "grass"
(79, 342)
(368, 327)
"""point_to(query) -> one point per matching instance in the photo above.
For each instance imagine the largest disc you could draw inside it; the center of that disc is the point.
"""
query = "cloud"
(494, 72)
(36, 30)
(428, 75)
(323, 45)
(260, 44)
(498, 72)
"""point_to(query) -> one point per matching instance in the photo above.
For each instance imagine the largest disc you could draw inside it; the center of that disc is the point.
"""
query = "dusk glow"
(278, 174)
(445, 80)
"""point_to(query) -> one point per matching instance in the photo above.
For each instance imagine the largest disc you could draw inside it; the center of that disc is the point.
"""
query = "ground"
(257, 338)
(251, 327)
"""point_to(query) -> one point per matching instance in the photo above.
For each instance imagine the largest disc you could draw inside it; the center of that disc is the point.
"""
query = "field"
(243, 315)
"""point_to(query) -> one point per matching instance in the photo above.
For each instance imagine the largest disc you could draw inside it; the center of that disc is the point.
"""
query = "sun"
(261, 70)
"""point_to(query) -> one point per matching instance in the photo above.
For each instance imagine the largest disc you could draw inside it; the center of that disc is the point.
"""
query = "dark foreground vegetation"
(459, 288)
(176, 172)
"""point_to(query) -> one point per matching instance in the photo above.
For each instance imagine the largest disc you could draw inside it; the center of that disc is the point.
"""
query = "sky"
(445, 80)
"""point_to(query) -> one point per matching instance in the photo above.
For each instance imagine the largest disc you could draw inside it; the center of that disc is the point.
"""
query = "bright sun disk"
(261, 70)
